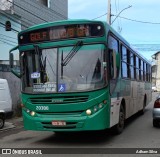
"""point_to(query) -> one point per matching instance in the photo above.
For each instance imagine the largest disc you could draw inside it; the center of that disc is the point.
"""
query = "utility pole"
(109, 12)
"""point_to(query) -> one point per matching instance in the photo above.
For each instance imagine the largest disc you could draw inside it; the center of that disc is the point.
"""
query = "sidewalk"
(13, 123)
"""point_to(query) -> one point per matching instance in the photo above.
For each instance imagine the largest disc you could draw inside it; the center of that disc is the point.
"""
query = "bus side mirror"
(15, 71)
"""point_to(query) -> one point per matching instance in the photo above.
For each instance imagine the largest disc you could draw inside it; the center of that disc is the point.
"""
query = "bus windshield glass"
(45, 71)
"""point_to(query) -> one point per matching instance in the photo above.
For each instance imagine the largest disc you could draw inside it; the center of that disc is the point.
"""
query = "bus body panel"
(97, 121)
(70, 113)
(133, 93)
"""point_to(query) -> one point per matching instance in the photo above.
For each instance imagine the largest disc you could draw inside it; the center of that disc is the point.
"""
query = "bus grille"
(73, 113)
(59, 99)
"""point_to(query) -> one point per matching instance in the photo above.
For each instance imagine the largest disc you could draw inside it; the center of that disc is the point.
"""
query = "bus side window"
(113, 66)
(113, 46)
(113, 56)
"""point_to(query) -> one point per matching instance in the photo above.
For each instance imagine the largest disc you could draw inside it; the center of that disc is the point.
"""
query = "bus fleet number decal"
(42, 108)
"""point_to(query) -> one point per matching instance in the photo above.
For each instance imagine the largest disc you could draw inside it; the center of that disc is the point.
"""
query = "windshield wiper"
(62, 65)
(72, 53)
(42, 63)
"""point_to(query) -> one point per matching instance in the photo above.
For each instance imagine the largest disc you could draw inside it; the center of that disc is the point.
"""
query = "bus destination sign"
(61, 32)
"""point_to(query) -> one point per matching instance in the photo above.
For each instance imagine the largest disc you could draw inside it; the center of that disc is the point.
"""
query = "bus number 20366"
(42, 108)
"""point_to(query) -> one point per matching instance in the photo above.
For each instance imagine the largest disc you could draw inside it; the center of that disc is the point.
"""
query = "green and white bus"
(79, 75)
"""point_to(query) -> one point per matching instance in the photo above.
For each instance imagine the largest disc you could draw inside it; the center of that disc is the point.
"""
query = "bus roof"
(81, 21)
(56, 23)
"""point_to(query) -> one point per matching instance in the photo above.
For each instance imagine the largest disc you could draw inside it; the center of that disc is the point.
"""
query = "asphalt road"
(138, 133)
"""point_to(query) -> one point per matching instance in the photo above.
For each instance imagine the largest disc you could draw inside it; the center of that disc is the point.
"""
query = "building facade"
(34, 12)
(23, 14)
(8, 40)
(156, 70)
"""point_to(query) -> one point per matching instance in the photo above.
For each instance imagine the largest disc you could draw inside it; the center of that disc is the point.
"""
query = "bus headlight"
(95, 108)
(88, 112)
(32, 113)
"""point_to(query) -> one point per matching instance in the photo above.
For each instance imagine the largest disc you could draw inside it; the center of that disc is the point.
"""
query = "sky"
(133, 32)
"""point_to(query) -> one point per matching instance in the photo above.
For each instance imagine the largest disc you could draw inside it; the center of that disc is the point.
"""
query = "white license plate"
(58, 123)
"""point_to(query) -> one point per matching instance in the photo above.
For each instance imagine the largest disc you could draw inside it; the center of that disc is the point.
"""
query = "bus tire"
(118, 128)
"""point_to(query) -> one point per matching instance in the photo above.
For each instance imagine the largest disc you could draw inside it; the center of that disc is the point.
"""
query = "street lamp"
(121, 12)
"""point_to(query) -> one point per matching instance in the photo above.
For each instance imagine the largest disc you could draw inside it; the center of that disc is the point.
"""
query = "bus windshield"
(44, 70)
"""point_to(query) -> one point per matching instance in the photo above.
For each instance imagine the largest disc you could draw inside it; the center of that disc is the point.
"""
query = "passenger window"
(125, 62)
(113, 46)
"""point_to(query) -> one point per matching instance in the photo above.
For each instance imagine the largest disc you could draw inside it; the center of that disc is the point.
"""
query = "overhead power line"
(145, 22)
(53, 11)
(26, 23)
(9, 18)
(99, 16)
(35, 14)
(120, 13)
(139, 21)
(8, 40)
(23, 21)
(7, 36)
(13, 19)
(21, 24)
(27, 11)
(11, 28)
(7, 43)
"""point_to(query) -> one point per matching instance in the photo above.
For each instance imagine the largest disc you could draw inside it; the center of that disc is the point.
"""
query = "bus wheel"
(118, 128)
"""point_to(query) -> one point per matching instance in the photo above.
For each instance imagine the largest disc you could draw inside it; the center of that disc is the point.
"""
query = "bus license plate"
(58, 123)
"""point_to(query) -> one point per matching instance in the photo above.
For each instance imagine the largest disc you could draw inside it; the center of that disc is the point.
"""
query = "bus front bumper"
(98, 121)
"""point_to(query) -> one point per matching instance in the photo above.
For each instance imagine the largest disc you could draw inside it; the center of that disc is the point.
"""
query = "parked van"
(5, 101)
